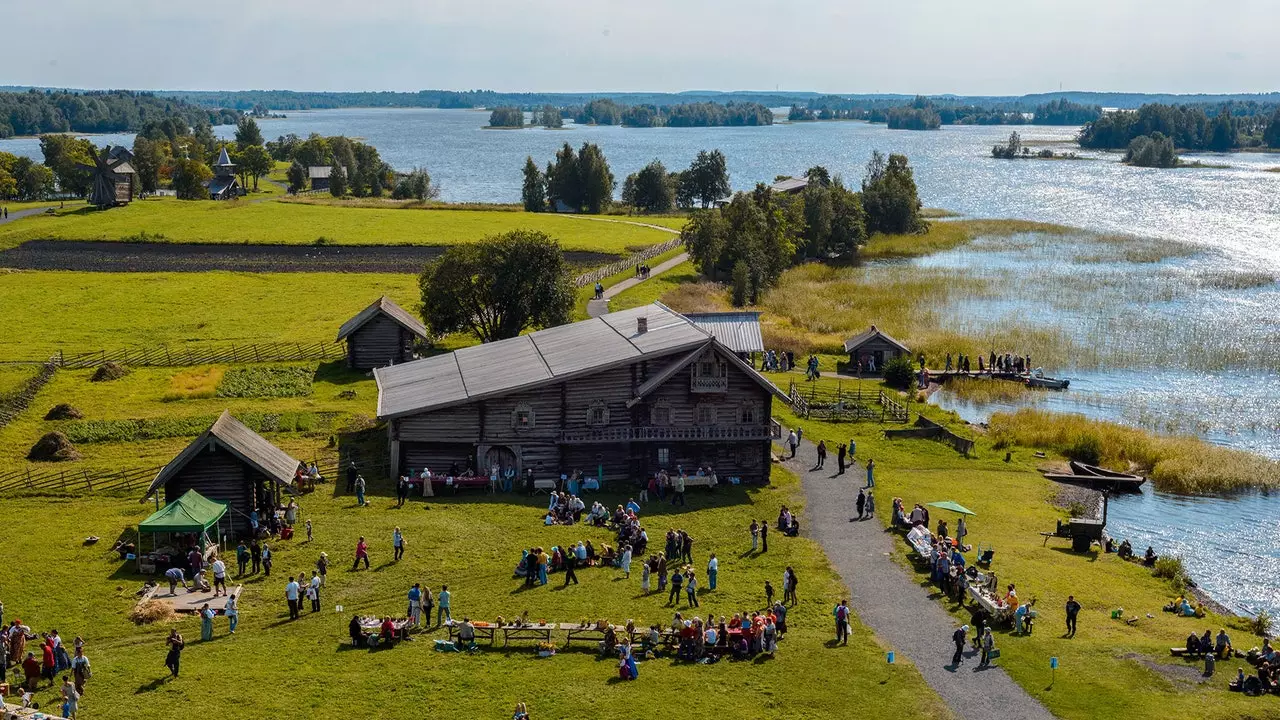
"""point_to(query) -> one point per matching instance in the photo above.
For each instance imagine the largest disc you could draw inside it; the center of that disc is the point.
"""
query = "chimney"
(642, 325)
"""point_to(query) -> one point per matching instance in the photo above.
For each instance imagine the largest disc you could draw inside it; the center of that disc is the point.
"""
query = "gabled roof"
(319, 171)
(857, 340)
(739, 331)
(222, 184)
(124, 168)
(790, 185)
(235, 437)
(658, 380)
(539, 358)
(192, 513)
(384, 306)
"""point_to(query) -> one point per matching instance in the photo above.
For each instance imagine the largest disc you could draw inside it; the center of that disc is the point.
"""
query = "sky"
(973, 47)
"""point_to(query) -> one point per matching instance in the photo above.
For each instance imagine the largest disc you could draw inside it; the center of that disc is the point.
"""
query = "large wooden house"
(232, 464)
(873, 348)
(382, 334)
(618, 397)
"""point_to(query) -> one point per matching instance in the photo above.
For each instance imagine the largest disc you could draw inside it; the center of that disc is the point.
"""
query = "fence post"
(87, 481)
(256, 354)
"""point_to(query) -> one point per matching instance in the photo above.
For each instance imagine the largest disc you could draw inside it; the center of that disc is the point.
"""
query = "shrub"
(899, 372)
(1086, 449)
(1170, 567)
(1260, 624)
(258, 382)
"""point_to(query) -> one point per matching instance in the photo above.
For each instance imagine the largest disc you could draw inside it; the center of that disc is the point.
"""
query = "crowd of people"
(1006, 363)
(54, 660)
(1265, 661)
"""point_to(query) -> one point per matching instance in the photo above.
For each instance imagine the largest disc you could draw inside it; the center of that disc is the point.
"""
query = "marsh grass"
(988, 391)
(1178, 464)
(951, 234)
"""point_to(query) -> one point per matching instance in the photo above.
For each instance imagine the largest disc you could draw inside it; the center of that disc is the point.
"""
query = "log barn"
(873, 348)
(618, 397)
(232, 464)
(382, 334)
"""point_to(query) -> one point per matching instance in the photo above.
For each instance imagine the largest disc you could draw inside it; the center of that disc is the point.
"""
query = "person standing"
(958, 637)
(352, 474)
(360, 491)
(691, 589)
(173, 659)
(232, 611)
(242, 558)
(988, 644)
(219, 576)
(822, 453)
(70, 699)
(793, 440)
(309, 536)
(755, 535)
(677, 489)
(266, 560)
(397, 542)
(80, 669)
(768, 593)
(255, 553)
(841, 614)
(645, 571)
(362, 553)
(314, 594)
(841, 451)
(677, 579)
(415, 604)
(323, 566)
(571, 561)
(871, 504)
(1073, 609)
(206, 622)
(444, 599)
(713, 567)
(764, 536)
(861, 502)
(686, 547)
(871, 470)
(428, 602)
(291, 593)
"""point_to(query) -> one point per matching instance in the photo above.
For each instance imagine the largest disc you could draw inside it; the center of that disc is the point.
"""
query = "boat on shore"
(1037, 379)
(1098, 478)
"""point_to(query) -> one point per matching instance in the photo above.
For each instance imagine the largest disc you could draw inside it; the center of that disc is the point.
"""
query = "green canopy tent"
(191, 513)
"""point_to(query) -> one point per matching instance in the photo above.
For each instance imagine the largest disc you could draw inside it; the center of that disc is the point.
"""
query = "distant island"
(927, 113)
(35, 112)
(608, 112)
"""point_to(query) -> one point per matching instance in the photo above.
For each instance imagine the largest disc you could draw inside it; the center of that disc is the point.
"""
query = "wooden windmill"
(113, 179)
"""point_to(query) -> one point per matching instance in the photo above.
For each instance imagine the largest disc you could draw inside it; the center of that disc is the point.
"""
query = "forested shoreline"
(36, 113)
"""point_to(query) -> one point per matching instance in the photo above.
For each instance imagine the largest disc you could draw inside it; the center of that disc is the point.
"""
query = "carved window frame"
(597, 413)
(523, 417)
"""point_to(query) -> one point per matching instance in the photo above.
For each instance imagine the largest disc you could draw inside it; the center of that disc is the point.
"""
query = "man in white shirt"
(219, 576)
(291, 594)
(397, 542)
(314, 593)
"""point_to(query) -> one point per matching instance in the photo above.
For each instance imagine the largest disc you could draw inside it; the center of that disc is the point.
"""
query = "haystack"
(148, 612)
(109, 371)
(63, 411)
(53, 447)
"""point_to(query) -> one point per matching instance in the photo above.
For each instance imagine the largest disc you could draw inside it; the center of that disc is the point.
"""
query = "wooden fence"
(165, 356)
(630, 261)
(14, 404)
(926, 428)
(841, 405)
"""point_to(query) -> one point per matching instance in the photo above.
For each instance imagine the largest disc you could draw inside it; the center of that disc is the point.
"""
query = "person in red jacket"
(47, 665)
(31, 668)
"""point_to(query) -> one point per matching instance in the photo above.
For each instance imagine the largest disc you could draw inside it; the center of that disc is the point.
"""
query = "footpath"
(892, 602)
(598, 307)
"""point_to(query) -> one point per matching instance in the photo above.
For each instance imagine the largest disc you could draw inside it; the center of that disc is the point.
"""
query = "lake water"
(1232, 545)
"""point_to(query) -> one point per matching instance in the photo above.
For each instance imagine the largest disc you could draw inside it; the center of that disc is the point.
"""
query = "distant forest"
(924, 113)
(700, 114)
(37, 112)
(1230, 126)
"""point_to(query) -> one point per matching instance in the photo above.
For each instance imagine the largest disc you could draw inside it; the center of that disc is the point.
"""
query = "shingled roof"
(857, 340)
(235, 437)
(384, 306)
(540, 358)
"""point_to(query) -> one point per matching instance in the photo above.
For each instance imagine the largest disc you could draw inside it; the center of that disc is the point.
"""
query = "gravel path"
(596, 308)
(19, 214)
(892, 603)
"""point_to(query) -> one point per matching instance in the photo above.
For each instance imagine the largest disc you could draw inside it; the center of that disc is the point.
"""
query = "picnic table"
(17, 712)
(988, 603)
(461, 482)
(483, 632)
(399, 628)
(527, 632)
(708, 481)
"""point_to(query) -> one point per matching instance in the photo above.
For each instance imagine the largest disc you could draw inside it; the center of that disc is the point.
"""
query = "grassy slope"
(299, 224)
(48, 311)
(1101, 672)
(586, 293)
(654, 288)
(273, 667)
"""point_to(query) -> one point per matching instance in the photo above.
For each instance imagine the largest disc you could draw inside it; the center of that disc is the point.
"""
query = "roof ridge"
(683, 317)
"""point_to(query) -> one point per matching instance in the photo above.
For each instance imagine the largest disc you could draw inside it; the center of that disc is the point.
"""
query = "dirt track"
(96, 256)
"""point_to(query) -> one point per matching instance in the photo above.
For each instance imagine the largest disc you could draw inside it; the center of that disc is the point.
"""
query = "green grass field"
(78, 312)
(1110, 669)
(655, 287)
(294, 223)
(276, 667)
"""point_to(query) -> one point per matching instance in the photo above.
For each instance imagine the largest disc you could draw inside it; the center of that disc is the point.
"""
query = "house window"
(664, 456)
(660, 413)
(747, 414)
(748, 456)
(598, 414)
(522, 417)
(705, 414)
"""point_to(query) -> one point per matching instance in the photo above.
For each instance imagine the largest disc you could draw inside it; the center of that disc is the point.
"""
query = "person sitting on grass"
(1193, 644)
(1126, 550)
(1150, 558)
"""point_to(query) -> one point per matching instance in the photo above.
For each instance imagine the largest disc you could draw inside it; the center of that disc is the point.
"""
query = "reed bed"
(991, 391)
(1178, 464)
(951, 234)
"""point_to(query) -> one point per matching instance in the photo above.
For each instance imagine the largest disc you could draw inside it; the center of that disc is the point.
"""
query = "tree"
(889, 196)
(1154, 150)
(818, 216)
(297, 175)
(1011, 150)
(247, 132)
(563, 179)
(848, 221)
(147, 160)
(534, 192)
(416, 185)
(498, 287)
(708, 177)
(1271, 136)
(255, 162)
(549, 117)
(1223, 135)
(899, 373)
(650, 189)
(506, 117)
(337, 181)
(596, 180)
(190, 178)
(756, 230)
(8, 179)
(69, 158)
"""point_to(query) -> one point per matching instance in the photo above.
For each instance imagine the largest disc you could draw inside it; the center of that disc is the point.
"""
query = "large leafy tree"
(148, 158)
(1271, 136)
(650, 189)
(889, 196)
(297, 175)
(751, 241)
(416, 185)
(247, 132)
(498, 287)
(189, 178)
(255, 162)
(596, 179)
(68, 157)
(708, 177)
(338, 181)
(562, 179)
(534, 192)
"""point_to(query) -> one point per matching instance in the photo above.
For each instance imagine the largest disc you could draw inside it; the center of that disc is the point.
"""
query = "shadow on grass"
(1092, 554)
(153, 685)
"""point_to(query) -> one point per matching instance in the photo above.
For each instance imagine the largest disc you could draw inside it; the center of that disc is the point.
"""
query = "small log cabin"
(319, 176)
(382, 334)
(873, 349)
(232, 464)
(618, 397)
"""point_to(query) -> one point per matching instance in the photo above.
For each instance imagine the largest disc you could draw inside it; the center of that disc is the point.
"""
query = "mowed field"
(296, 223)
(275, 667)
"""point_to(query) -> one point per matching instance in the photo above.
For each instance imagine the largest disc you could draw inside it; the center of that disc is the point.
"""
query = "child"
(308, 529)
(755, 536)
(768, 593)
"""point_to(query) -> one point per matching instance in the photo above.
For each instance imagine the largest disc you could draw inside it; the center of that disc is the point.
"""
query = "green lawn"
(78, 312)
(587, 292)
(1105, 671)
(300, 224)
(273, 667)
(655, 287)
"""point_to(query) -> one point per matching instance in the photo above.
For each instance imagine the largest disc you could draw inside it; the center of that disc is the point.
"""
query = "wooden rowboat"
(1099, 478)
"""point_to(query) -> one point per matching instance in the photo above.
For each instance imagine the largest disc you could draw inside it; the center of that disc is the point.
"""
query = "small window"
(664, 456)
(660, 413)
(706, 414)
(598, 414)
(747, 413)
(522, 418)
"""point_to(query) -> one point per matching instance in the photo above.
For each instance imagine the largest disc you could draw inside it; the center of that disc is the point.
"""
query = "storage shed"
(873, 349)
(380, 335)
(232, 465)
(319, 176)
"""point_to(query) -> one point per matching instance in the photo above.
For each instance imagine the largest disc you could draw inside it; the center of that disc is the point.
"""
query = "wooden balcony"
(705, 384)
(670, 433)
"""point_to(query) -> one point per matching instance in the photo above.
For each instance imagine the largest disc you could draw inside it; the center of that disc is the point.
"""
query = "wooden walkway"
(190, 602)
